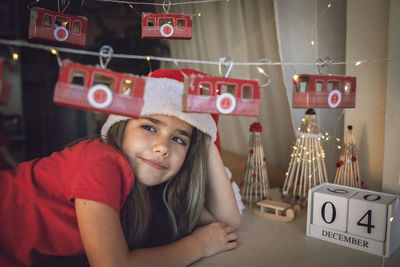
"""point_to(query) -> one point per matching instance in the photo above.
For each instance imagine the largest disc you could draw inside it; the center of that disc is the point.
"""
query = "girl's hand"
(215, 238)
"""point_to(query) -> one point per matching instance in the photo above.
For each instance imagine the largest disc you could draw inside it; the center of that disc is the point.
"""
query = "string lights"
(21, 43)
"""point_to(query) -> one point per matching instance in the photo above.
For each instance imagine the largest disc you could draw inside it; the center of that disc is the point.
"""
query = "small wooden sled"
(279, 211)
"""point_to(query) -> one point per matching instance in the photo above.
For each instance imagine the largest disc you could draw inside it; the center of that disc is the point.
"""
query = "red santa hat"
(163, 95)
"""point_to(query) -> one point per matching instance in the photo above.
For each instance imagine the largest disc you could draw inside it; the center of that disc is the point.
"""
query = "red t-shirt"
(37, 210)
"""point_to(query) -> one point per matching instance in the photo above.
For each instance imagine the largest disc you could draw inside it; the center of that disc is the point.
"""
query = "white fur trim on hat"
(163, 96)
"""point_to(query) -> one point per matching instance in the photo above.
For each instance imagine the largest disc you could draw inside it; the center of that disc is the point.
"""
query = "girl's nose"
(161, 147)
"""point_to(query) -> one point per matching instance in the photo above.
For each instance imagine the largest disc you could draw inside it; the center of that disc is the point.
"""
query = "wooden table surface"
(266, 242)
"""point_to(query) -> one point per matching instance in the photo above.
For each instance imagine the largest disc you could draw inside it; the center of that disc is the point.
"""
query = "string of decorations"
(161, 4)
(55, 49)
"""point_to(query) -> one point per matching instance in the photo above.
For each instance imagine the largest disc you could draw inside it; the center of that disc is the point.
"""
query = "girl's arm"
(220, 199)
(105, 244)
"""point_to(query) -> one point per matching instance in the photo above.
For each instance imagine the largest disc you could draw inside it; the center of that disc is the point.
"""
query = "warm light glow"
(199, 14)
(128, 81)
(298, 129)
(312, 42)
(337, 139)
(53, 51)
(339, 147)
(260, 70)
(295, 76)
(358, 63)
(15, 56)
(148, 58)
(391, 219)
(330, 4)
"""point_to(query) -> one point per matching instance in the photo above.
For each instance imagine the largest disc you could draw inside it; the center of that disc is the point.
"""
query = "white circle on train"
(60, 33)
(100, 96)
(166, 30)
(226, 103)
(334, 98)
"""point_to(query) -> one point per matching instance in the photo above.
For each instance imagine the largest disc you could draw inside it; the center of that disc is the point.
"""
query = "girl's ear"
(217, 142)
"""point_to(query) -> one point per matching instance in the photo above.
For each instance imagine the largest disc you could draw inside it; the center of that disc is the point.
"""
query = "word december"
(346, 239)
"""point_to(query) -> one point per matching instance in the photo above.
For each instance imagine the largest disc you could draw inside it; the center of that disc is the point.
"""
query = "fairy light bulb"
(53, 51)
(15, 56)
(148, 58)
(358, 63)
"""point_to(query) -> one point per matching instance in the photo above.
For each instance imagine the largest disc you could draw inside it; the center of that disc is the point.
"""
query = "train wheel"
(166, 30)
(60, 33)
(226, 103)
(100, 96)
(334, 98)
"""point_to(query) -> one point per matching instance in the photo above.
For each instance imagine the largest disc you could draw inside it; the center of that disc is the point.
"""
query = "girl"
(152, 191)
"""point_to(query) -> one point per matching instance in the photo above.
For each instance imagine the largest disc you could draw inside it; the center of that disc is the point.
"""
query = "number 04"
(368, 214)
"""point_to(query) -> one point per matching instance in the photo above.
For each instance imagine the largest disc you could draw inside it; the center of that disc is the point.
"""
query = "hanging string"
(166, 59)
(160, 4)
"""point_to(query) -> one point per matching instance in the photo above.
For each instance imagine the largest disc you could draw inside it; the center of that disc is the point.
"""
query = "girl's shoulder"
(96, 148)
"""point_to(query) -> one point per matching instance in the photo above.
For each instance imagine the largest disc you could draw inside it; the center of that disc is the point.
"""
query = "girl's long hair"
(179, 201)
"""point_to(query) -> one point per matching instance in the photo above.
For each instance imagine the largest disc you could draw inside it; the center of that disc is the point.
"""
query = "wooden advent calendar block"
(355, 218)
(369, 211)
(330, 204)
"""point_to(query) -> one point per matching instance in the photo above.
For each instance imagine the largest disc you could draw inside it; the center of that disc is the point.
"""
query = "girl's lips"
(155, 164)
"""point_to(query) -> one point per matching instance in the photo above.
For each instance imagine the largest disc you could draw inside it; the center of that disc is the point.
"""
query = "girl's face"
(156, 147)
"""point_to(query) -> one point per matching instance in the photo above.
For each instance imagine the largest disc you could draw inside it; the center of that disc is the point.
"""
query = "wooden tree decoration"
(347, 168)
(255, 185)
(307, 164)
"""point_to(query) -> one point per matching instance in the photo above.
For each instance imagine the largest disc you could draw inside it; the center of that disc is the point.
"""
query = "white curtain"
(309, 30)
(250, 30)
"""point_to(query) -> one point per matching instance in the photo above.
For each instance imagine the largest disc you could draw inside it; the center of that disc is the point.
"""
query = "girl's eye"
(149, 128)
(179, 140)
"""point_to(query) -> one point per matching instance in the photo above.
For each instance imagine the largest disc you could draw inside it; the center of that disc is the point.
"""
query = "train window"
(347, 86)
(333, 85)
(246, 91)
(319, 86)
(78, 77)
(101, 79)
(165, 21)
(302, 84)
(61, 22)
(181, 23)
(76, 27)
(127, 87)
(204, 88)
(46, 20)
(151, 22)
(227, 88)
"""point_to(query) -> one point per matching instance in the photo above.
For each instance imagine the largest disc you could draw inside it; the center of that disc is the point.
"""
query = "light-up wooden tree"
(255, 183)
(307, 164)
(347, 172)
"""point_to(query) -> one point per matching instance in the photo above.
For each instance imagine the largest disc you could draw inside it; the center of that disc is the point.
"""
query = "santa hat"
(163, 95)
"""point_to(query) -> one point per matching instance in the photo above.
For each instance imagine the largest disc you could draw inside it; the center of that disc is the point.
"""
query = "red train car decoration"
(58, 27)
(96, 89)
(218, 95)
(323, 91)
(6, 67)
(166, 26)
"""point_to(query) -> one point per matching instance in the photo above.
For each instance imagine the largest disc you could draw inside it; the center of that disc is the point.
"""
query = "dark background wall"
(46, 127)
